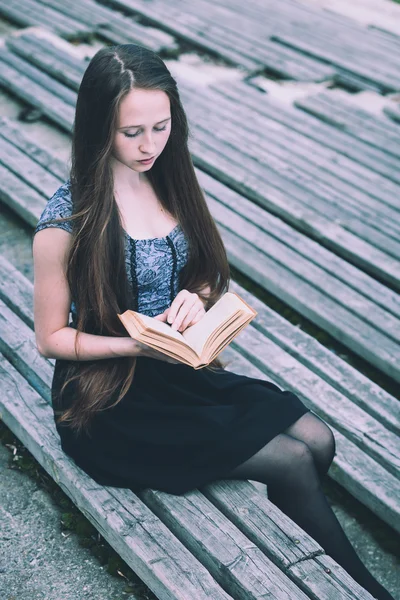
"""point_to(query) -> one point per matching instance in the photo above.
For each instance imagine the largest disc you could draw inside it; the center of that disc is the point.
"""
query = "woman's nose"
(147, 146)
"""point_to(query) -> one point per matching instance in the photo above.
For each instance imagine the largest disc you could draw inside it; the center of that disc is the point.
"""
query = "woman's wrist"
(124, 347)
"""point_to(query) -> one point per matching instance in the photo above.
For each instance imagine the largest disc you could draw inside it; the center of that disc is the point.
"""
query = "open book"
(199, 344)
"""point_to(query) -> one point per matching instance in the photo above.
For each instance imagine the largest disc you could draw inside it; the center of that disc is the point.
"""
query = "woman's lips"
(147, 160)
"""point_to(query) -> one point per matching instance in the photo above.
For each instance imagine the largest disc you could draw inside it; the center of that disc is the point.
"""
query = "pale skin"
(143, 128)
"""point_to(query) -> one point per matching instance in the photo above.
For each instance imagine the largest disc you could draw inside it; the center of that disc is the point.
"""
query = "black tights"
(292, 465)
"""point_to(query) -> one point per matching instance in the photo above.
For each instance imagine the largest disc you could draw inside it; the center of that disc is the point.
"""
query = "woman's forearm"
(61, 345)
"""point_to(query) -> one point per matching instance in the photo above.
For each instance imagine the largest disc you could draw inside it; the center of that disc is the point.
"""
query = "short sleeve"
(59, 206)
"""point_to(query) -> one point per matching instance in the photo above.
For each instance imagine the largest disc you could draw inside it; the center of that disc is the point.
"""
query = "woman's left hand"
(186, 310)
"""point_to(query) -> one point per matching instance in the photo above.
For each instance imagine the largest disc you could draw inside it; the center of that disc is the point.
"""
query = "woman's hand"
(143, 350)
(186, 310)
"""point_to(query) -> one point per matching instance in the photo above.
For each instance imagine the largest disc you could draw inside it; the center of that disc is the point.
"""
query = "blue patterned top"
(152, 265)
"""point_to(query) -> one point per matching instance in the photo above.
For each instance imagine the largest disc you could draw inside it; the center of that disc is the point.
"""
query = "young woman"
(131, 229)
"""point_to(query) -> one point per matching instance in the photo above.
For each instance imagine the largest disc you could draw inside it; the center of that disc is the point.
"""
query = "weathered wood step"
(272, 360)
(259, 103)
(29, 12)
(149, 546)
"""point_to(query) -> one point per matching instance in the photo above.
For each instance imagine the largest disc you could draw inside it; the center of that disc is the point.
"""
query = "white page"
(197, 335)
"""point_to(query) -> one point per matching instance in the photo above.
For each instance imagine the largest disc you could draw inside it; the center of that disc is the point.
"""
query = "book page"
(222, 311)
(163, 328)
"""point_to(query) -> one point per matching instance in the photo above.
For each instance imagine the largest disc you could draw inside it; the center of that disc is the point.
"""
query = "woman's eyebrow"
(158, 122)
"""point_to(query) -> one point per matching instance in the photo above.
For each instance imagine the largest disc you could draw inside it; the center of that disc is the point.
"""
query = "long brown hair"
(96, 270)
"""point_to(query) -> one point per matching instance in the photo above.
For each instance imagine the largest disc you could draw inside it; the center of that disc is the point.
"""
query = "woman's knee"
(326, 443)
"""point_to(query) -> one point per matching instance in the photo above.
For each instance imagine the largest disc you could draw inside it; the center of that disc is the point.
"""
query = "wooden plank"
(344, 120)
(16, 291)
(319, 36)
(256, 517)
(360, 474)
(21, 86)
(216, 35)
(113, 25)
(237, 564)
(140, 538)
(325, 364)
(385, 271)
(52, 43)
(376, 487)
(194, 519)
(305, 248)
(230, 170)
(361, 118)
(20, 197)
(393, 112)
(370, 218)
(335, 292)
(319, 396)
(11, 131)
(45, 60)
(248, 95)
(388, 82)
(254, 40)
(373, 346)
(27, 169)
(390, 299)
(30, 12)
(280, 540)
(310, 156)
(36, 75)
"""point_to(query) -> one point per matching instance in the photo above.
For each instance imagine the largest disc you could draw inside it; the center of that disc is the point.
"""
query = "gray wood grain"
(329, 315)
(371, 436)
(16, 291)
(323, 362)
(112, 25)
(362, 188)
(35, 95)
(375, 487)
(211, 537)
(221, 165)
(28, 48)
(393, 112)
(37, 75)
(28, 170)
(11, 131)
(232, 559)
(30, 12)
(305, 248)
(255, 100)
(20, 197)
(344, 117)
(139, 537)
(257, 518)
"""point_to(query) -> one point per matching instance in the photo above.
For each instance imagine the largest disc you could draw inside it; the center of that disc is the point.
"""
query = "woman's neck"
(126, 178)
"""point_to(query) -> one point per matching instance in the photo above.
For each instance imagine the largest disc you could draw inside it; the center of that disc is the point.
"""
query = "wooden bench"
(277, 35)
(78, 19)
(359, 123)
(332, 38)
(363, 416)
(223, 541)
(213, 29)
(340, 298)
(27, 13)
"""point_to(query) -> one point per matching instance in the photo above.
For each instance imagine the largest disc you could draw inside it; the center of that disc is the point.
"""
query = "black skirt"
(177, 428)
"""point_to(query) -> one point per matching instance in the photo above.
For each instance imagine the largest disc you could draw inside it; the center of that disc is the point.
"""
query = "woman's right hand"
(144, 350)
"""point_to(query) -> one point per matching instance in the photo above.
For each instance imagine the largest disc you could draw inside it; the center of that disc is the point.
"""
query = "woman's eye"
(132, 135)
